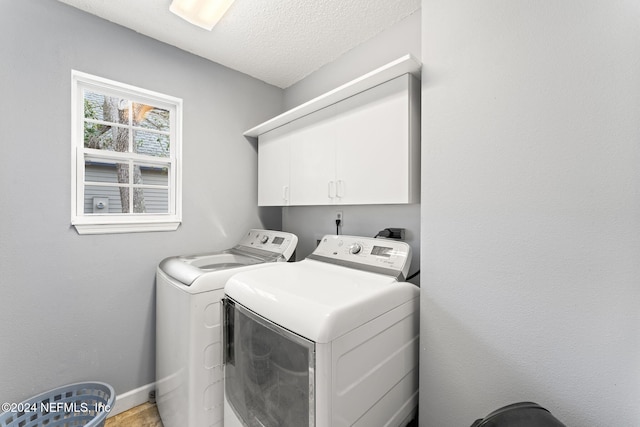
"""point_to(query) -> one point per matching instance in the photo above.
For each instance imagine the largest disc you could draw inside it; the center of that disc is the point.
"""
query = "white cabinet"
(377, 152)
(360, 150)
(273, 169)
(292, 163)
(312, 164)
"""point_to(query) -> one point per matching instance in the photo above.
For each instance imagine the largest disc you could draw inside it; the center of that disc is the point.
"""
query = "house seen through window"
(127, 151)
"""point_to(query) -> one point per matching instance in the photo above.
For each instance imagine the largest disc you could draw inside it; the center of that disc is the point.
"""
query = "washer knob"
(264, 239)
(355, 249)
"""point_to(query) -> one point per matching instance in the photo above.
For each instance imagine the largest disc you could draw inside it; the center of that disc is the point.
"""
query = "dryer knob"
(355, 248)
(264, 239)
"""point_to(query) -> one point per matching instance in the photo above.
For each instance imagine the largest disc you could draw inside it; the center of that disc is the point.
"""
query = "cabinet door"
(312, 179)
(273, 168)
(372, 159)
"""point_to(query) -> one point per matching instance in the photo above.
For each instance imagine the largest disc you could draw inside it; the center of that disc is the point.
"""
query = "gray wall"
(311, 223)
(531, 210)
(389, 45)
(82, 307)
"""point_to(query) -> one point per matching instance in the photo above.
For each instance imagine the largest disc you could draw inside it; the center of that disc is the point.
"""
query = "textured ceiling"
(277, 41)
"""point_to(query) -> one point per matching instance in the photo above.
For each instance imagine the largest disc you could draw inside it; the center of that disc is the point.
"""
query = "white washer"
(328, 341)
(189, 289)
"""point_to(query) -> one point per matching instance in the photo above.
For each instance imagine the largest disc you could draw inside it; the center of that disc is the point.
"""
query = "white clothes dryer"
(189, 289)
(328, 341)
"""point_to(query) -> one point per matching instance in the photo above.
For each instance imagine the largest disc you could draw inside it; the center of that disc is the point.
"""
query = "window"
(125, 157)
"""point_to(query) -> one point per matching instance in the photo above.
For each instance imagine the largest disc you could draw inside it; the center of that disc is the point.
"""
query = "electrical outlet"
(339, 215)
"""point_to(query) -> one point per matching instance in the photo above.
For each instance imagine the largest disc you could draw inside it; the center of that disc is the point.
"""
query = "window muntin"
(126, 148)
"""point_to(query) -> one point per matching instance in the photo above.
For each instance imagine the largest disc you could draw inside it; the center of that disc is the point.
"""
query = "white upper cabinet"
(376, 157)
(363, 149)
(312, 163)
(273, 169)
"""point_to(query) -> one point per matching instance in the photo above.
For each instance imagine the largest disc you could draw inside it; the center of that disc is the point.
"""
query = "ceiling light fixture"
(203, 13)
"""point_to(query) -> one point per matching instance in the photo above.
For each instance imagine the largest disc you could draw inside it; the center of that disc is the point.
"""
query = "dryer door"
(269, 371)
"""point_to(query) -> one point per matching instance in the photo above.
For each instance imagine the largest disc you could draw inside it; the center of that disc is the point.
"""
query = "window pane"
(156, 201)
(151, 117)
(151, 143)
(93, 106)
(110, 138)
(138, 201)
(101, 171)
(151, 175)
(106, 108)
(105, 200)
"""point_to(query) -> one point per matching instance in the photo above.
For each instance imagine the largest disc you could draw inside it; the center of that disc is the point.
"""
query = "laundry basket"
(81, 404)
(521, 414)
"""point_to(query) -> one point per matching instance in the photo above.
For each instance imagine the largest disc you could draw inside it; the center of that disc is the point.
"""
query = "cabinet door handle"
(332, 190)
(285, 193)
(340, 188)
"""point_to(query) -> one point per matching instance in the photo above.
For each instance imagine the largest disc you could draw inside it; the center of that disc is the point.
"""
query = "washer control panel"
(278, 242)
(363, 252)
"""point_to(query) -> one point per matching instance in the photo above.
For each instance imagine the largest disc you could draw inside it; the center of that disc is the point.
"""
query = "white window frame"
(131, 222)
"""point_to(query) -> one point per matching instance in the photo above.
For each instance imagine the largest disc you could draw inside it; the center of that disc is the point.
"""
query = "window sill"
(125, 227)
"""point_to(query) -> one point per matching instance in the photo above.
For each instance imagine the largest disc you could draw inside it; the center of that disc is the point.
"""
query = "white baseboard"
(132, 398)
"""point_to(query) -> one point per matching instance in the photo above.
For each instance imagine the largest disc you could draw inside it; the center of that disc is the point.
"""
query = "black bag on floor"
(522, 414)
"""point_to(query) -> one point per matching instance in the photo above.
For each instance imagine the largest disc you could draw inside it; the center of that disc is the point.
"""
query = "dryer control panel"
(385, 256)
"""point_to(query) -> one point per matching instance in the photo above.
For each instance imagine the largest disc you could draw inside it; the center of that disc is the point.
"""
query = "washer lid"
(256, 247)
(316, 300)
(187, 268)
